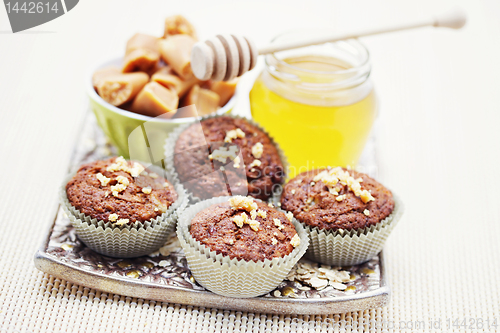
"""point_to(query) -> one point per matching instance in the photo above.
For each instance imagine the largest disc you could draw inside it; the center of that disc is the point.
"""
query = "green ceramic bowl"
(136, 136)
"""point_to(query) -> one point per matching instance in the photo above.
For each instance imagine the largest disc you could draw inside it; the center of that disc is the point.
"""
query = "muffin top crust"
(246, 154)
(246, 229)
(337, 198)
(119, 191)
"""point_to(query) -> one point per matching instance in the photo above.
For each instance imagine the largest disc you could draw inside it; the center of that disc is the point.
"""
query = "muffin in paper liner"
(351, 247)
(174, 135)
(233, 277)
(125, 241)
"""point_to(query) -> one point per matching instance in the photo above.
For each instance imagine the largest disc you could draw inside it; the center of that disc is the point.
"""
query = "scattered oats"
(255, 163)
(304, 288)
(257, 150)
(289, 216)
(241, 202)
(318, 283)
(103, 179)
(274, 241)
(122, 221)
(302, 271)
(293, 191)
(113, 217)
(236, 162)
(146, 190)
(153, 175)
(233, 134)
(341, 197)
(338, 286)
(295, 240)
(163, 263)
(277, 293)
(366, 212)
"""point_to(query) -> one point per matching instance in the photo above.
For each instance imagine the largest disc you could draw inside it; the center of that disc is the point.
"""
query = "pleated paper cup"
(233, 277)
(351, 247)
(174, 136)
(124, 241)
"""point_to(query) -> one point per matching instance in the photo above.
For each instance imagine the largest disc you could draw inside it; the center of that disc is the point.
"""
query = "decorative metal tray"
(165, 276)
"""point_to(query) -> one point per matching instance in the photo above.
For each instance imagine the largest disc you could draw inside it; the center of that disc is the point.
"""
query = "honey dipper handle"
(454, 19)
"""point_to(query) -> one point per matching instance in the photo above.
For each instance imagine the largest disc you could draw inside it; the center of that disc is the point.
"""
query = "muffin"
(239, 246)
(347, 214)
(121, 209)
(227, 156)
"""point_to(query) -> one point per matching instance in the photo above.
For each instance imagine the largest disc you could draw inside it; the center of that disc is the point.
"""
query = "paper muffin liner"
(125, 241)
(233, 277)
(352, 247)
(174, 136)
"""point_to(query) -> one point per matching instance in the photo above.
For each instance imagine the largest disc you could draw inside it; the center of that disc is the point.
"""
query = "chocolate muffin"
(119, 191)
(337, 198)
(246, 229)
(219, 145)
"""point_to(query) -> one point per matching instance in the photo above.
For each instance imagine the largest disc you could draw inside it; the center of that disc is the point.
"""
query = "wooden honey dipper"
(224, 57)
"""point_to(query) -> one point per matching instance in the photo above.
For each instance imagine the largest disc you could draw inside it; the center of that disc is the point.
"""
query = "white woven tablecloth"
(437, 144)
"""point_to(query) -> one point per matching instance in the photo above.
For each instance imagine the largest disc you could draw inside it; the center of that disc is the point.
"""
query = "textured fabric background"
(437, 145)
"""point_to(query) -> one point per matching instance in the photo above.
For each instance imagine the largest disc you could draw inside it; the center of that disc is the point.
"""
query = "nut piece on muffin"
(253, 165)
(119, 191)
(337, 199)
(244, 228)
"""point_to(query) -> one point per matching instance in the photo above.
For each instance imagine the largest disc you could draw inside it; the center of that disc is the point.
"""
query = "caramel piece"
(186, 112)
(121, 88)
(155, 100)
(206, 101)
(102, 73)
(225, 89)
(140, 60)
(167, 78)
(178, 25)
(176, 51)
(142, 41)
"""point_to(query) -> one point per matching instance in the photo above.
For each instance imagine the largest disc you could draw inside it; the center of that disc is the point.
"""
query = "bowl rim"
(117, 61)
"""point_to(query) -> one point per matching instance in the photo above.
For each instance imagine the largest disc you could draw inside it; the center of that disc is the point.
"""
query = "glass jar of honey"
(318, 103)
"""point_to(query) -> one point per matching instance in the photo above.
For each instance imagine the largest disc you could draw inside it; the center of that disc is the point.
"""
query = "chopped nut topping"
(293, 191)
(115, 189)
(165, 184)
(122, 165)
(123, 180)
(366, 212)
(241, 202)
(153, 175)
(262, 213)
(295, 240)
(255, 163)
(146, 190)
(289, 216)
(236, 162)
(103, 179)
(257, 150)
(242, 219)
(277, 222)
(233, 134)
(270, 204)
(223, 153)
(113, 217)
(156, 209)
(122, 221)
(274, 241)
(136, 170)
(331, 177)
(341, 197)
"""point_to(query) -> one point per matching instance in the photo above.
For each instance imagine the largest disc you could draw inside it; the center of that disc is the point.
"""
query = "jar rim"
(365, 54)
